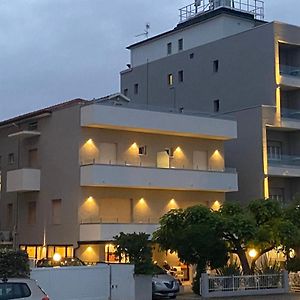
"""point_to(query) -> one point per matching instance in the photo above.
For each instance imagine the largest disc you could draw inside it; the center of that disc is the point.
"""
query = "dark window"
(216, 105)
(180, 76)
(0, 162)
(11, 158)
(31, 213)
(33, 126)
(136, 88)
(216, 66)
(180, 45)
(33, 158)
(56, 211)
(143, 150)
(191, 55)
(9, 220)
(169, 48)
(170, 79)
(14, 290)
(125, 92)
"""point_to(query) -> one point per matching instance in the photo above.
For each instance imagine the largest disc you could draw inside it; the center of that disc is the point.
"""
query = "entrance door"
(200, 161)
(108, 153)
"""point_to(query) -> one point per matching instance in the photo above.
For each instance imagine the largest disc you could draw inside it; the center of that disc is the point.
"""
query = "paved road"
(271, 297)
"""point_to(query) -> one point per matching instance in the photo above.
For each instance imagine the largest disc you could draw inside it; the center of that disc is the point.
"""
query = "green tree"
(136, 248)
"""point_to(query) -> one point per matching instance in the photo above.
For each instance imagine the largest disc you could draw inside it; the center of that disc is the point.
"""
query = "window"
(33, 158)
(216, 66)
(56, 211)
(180, 76)
(33, 126)
(0, 162)
(180, 45)
(9, 220)
(274, 150)
(191, 55)
(14, 290)
(11, 158)
(136, 88)
(216, 105)
(169, 48)
(125, 92)
(170, 79)
(143, 150)
(31, 216)
(277, 194)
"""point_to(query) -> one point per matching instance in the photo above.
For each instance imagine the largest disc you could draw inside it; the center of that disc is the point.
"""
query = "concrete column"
(204, 285)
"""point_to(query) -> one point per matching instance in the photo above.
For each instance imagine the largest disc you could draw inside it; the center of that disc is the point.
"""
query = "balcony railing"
(290, 113)
(153, 166)
(116, 220)
(290, 70)
(255, 7)
(289, 160)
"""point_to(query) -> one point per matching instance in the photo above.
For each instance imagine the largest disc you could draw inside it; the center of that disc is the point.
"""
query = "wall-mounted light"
(216, 206)
(252, 253)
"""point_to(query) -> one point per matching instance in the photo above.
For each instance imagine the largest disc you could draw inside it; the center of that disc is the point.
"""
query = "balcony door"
(108, 153)
(163, 160)
(274, 150)
(200, 161)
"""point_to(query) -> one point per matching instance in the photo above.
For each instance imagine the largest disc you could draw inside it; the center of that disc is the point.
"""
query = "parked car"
(163, 284)
(21, 288)
(63, 262)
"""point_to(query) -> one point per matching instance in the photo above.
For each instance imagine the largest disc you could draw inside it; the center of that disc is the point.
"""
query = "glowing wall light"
(172, 204)
(252, 253)
(216, 206)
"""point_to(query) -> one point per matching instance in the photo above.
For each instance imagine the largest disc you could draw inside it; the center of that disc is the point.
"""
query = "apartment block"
(224, 59)
(79, 173)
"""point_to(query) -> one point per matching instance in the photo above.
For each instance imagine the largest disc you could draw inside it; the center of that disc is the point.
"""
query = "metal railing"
(290, 70)
(116, 220)
(290, 113)
(264, 284)
(290, 160)
(153, 166)
(255, 7)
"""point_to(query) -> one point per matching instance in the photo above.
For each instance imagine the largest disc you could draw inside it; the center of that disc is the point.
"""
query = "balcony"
(290, 76)
(106, 231)
(284, 166)
(290, 118)
(101, 175)
(6, 238)
(23, 180)
(149, 120)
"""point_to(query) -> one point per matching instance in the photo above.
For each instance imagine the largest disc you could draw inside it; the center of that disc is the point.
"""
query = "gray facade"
(249, 74)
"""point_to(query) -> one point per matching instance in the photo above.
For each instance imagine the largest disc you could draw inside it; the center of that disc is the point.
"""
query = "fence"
(229, 286)
(294, 279)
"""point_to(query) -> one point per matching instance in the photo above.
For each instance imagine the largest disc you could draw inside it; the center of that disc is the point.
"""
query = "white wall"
(87, 283)
(193, 36)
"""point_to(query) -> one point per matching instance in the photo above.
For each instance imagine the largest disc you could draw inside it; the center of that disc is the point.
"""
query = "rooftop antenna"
(146, 31)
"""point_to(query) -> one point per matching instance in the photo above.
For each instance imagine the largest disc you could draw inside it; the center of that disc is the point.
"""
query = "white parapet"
(157, 178)
(23, 180)
(149, 121)
(106, 232)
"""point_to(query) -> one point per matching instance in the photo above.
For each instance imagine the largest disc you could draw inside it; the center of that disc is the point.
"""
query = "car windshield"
(14, 290)
(158, 270)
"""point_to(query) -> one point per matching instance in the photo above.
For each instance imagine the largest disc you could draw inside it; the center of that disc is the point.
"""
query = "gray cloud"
(54, 50)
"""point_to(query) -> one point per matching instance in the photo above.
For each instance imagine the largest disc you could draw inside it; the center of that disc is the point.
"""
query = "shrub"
(14, 263)
(231, 269)
(293, 264)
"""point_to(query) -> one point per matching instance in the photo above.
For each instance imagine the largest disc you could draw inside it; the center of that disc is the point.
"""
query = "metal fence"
(222, 286)
(255, 7)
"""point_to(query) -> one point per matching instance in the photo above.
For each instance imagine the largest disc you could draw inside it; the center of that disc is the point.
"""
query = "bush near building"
(14, 264)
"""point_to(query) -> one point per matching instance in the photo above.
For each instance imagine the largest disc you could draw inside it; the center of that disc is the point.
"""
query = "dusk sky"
(56, 50)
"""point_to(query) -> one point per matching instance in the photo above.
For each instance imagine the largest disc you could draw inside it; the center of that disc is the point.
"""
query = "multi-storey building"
(76, 174)
(223, 58)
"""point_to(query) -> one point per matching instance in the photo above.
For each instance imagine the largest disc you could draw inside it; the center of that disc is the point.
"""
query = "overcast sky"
(55, 50)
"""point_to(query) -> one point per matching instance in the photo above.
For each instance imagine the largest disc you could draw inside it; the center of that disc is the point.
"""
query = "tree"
(135, 248)
(198, 234)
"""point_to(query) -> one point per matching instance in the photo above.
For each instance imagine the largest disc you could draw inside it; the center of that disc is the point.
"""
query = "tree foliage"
(14, 264)
(204, 237)
(135, 248)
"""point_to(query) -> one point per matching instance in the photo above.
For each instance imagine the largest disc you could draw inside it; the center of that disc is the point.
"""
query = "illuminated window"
(31, 251)
(70, 251)
(61, 250)
(170, 79)
(50, 251)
